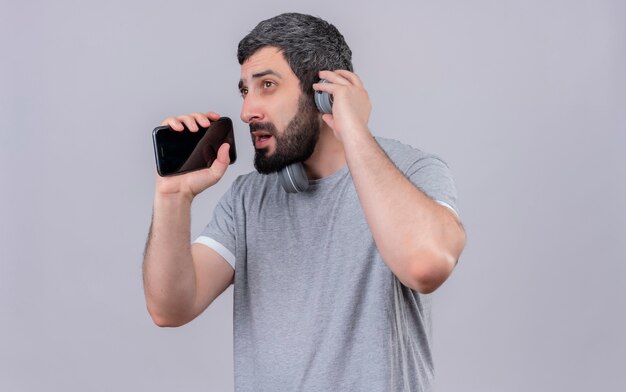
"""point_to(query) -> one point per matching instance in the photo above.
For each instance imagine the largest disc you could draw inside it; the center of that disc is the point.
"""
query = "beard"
(295, 144)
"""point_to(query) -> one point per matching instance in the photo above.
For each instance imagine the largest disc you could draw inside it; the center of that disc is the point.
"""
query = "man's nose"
(251, 109)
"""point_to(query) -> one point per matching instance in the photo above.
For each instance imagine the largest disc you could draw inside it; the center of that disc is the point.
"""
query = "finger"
(220, 164)
(189, 122)
(330, 88)
(223, 155)
(212, 116)
(201, 119)
(351, 76)
(334, 77)
(173, 123)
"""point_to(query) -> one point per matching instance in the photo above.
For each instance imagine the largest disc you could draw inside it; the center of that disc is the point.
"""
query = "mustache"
(263, 126)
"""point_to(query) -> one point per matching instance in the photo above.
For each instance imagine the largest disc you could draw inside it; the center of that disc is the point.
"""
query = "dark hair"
(309, 45)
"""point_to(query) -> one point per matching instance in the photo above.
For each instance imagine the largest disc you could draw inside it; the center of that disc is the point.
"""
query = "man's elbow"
(429, 269)
(166, 323)
(428, 272)
(164, 320)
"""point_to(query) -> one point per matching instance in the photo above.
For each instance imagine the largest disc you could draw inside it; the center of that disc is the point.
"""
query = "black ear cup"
(323, 100)
(293, 178)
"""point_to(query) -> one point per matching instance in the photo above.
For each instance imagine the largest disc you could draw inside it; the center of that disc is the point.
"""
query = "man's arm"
(418, 239)
(181, 280)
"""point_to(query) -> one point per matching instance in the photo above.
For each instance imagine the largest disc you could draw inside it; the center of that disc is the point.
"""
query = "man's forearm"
(169, 276)
(418, 239)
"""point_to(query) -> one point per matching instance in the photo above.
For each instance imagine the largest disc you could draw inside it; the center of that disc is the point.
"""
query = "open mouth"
(261, 138)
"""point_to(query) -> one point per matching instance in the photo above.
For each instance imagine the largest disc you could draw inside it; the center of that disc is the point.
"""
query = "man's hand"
(191, 184)
(351, 103)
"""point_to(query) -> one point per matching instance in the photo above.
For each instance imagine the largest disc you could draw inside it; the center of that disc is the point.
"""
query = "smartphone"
(181, 152)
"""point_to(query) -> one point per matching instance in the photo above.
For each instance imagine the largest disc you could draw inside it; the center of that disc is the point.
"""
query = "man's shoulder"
(393, 145)
(401, 153)
(248, 181)
(252, 176)
(253, 185)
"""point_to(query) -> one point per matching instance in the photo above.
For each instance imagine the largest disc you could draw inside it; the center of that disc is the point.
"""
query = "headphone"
(293, 177)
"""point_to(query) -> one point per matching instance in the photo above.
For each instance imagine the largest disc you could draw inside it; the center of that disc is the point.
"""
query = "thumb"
(220, 164)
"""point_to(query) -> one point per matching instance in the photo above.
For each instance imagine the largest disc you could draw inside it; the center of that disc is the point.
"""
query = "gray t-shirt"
(315, 306)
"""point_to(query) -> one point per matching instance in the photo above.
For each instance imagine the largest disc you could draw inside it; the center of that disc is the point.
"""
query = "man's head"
(280, 60)
(309, 45)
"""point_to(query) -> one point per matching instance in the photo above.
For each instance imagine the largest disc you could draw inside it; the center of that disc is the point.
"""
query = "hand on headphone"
(351, 103)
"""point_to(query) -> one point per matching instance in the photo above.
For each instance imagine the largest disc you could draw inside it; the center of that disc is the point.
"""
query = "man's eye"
(243, 91)
(268, 84)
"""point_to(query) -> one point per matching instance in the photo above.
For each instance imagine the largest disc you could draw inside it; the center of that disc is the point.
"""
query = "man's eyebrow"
(260, 75)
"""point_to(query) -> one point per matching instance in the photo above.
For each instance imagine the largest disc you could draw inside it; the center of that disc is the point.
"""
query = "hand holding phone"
(198, 146)
(178, 152)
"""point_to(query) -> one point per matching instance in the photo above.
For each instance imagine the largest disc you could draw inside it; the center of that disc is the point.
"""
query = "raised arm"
(419, 239)
(180, 279)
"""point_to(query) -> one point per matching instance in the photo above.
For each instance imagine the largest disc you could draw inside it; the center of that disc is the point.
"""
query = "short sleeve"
(219, 234)
(433, 177)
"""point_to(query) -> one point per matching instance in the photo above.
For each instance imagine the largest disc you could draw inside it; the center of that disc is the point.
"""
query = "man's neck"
(328, 156)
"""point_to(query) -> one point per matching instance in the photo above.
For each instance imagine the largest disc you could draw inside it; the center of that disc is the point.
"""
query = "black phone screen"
(185, 151)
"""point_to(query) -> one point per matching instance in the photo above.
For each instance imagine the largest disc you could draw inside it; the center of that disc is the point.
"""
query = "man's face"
(284, 123)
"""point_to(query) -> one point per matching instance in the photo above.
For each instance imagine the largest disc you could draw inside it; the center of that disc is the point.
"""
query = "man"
(330, 284)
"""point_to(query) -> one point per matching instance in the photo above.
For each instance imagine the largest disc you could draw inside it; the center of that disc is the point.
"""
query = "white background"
(524, 99)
